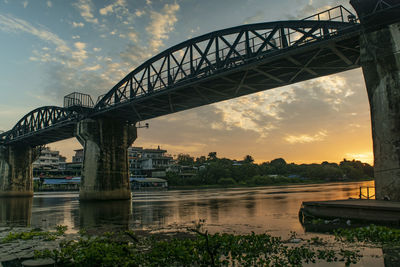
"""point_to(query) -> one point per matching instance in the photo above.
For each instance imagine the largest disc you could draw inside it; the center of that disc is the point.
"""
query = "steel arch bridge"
(43, 125)
(213, 67)
(234, 62)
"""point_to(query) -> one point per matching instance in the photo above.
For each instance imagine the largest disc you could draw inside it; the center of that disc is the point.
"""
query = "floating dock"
(380, 211)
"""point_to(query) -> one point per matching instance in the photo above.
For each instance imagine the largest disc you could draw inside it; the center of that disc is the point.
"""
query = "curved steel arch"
(37, 120)
(217, 52)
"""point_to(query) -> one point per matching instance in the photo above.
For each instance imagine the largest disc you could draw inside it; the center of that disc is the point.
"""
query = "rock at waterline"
(39, 262)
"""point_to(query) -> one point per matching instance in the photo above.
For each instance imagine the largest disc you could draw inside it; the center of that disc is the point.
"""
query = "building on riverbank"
(57, 184)
(148, 162)
(148, 183)
(49, 159)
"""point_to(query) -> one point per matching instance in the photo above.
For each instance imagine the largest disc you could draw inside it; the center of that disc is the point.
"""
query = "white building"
(148, 162)
(49, 159)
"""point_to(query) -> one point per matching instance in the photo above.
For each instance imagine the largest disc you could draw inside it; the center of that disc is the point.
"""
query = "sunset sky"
(52, 48)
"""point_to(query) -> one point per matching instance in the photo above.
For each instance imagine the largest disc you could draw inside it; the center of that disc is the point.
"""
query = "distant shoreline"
(184, 187)
(218, 186)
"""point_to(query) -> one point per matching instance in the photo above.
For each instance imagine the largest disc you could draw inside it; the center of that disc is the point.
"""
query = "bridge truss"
(234, 62)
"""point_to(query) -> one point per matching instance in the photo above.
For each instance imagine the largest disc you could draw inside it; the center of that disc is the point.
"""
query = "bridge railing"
(78, 100)
(367, 192)
(338, 13)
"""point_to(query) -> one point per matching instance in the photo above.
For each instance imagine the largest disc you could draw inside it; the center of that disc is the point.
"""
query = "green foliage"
(60, 230)
(248, 159)
(204, 249)
(212, 169)
(356, 169)
(270, 180)
(226, 181)
(185, 160)
(373, 234)
(212, 156)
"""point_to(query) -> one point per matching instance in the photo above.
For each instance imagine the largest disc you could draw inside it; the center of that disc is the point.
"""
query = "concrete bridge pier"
(380, 61)
(105, 172)
(16, 173)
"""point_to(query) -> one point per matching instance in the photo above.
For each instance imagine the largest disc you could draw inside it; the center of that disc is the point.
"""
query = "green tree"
(248, 159)
(201, 160)
(212, 156)
(279, 165)
(185, 160)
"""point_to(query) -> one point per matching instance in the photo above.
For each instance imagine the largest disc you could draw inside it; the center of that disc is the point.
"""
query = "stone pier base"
(105, 172)
(16, 175)
(380, 60)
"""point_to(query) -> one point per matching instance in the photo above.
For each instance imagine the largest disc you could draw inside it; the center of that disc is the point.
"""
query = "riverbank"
(305, 182)
(212, 186)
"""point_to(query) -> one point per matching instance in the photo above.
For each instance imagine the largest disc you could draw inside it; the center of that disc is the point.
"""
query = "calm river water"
(272, 209)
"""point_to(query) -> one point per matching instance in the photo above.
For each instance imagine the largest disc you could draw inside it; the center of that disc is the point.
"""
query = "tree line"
(212, 170)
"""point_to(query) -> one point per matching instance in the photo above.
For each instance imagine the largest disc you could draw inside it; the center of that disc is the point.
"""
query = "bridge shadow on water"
(16, 211)
(93, 217)
(105, 216)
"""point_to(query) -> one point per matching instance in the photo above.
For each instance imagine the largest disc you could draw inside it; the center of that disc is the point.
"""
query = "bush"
(262, 180)
(226, 181)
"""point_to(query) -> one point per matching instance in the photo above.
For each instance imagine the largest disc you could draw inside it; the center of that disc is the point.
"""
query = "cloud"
(120, 10)
(118, 5)
(106, 10)
(133, 37)
(135, 54)
(85, 8)
(365, 156)
(314, 7)
(139, 13)
(75, 37)
(80, 54)
(92, 68)
(49, 4)
(63, 79)
(25, 4)
(9, 23)
(96, 49)
(305, 138)
(259, 16)
(77, 24)
(161, 24)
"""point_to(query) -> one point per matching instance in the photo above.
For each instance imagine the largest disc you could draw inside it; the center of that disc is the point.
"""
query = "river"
(271, 209)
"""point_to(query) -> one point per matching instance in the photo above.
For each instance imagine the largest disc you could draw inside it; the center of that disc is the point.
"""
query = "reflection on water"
(271, 209)
(105, 216)
(15, 211)
(241, 210)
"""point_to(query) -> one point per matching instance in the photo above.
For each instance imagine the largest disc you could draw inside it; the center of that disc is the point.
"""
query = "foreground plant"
(374, 234)
(202, 249)
(47, 236)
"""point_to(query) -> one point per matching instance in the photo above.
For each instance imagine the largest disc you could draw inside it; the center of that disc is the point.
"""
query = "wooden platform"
(359, 209)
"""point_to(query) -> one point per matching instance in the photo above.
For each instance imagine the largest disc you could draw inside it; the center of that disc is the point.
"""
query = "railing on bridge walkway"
(78, 100)
(367, 192)
(338, 13)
